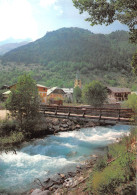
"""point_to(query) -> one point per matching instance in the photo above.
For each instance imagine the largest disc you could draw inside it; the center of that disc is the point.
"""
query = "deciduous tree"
(108, 11)
(23, 103)
(94, 94)
(77, 94)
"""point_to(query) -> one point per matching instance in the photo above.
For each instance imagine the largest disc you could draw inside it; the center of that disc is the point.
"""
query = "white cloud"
(58, 9)
(47, 3)
(16, 20)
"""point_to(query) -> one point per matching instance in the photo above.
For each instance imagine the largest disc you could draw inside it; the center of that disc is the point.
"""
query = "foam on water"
(43, 158)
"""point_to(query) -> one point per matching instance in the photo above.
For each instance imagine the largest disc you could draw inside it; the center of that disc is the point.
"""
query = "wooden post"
(100, 115)
(84, 110)
(44, 110)
(119, 115)
(56, 110)
(69, 112)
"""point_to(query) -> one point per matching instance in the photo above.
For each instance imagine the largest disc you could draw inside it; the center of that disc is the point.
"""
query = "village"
(59, 96)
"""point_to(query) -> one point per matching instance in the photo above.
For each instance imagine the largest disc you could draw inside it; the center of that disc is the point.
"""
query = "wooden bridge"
(106, 115)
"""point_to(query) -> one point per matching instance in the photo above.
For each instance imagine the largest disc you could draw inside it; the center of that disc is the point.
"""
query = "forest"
(54, 59)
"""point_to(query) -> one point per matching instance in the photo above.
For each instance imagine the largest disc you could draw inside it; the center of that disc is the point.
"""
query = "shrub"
(105, 182)
(7, 126)
(9, 142)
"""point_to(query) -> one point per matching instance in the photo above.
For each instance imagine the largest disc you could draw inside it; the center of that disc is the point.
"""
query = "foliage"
(7, 126)
(94, 93)
(119, 170)
(9, 142)
(23, 103)
(9, 135)
(77, 94)
(101, 163)
(54, 59)
(131, 102)
(134, 63)
(106, 12)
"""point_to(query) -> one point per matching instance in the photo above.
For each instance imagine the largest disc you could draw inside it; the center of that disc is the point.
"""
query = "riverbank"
(80, 177)
(112, 173)
(67, 183)
(12, 137)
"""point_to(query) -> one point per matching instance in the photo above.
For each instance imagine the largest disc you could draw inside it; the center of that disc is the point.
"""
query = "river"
(42, 158)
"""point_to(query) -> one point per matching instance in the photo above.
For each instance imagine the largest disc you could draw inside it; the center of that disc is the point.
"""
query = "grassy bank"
(112, 174)
(11, 135)
(115, 172)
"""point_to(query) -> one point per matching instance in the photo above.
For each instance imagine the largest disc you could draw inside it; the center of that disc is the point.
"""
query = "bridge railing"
(101, 113)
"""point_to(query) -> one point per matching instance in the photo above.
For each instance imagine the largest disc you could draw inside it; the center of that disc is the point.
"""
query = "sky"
(22, 19)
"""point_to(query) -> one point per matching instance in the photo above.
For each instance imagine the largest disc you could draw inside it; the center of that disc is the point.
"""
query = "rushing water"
(43, 158)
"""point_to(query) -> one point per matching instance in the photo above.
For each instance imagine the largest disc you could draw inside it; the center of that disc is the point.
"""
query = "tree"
(108, 11)
(77, 94)
(132, 102)
(134, 63)
(23, 103)
(94, 94)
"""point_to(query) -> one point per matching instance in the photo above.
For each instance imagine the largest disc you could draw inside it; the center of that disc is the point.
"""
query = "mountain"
(12, 40)
(4, 48)
(55, 58)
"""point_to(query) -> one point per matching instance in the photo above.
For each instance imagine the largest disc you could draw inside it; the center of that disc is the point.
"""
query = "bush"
(7, 126)
(105, 182)
(9, 142)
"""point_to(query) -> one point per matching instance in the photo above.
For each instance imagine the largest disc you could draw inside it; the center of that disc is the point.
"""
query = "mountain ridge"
(54, 59)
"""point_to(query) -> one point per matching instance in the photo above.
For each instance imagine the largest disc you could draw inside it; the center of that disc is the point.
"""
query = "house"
(42, 91)
(116, 94)
(68, 94)
(55, 95)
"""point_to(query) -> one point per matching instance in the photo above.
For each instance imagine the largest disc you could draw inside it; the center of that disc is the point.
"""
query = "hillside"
(55, 58)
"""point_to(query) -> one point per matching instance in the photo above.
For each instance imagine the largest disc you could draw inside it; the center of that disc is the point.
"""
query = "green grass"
(115, 172)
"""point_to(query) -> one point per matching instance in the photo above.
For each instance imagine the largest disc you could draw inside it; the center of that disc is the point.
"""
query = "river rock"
(47, 180)
(56, 128)
(77, 126)
(90, 124)
(49, 184)
(64, 125)
(55, 121)
(68, 182)
(71, 174)
(64, 120)
(40, 192)
(69, 123)
(62, 175)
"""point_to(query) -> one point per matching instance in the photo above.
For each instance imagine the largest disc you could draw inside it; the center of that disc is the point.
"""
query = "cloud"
(58, 9)
(16, 20)
(47, 3)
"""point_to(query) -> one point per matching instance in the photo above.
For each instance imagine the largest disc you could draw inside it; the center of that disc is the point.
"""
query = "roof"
(38, 85)
(6, 93)
(54, 89)
(119, 90)
(68, 90)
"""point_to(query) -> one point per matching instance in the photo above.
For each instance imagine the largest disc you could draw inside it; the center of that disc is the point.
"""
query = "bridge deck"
(104, 114)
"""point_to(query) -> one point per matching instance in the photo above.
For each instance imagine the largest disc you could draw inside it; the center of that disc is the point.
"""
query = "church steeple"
(77, 81)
